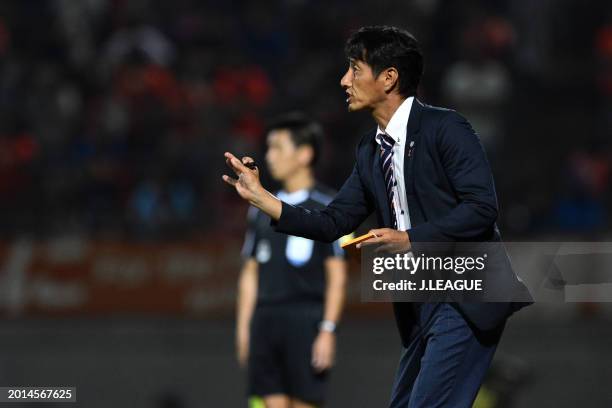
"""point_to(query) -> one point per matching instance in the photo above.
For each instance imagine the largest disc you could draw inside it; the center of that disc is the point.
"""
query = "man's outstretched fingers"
(228, 160)
(249, 162)
(237, 164)
(234, 163)
(231, 181)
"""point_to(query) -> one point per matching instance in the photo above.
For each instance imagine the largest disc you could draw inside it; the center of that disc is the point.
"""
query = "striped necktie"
(386, 160)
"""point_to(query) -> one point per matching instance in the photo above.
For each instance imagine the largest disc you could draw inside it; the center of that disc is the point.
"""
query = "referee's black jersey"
(291, 269)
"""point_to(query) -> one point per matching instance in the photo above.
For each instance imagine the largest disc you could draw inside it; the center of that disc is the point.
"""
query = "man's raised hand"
(249, 187)
(247, 183)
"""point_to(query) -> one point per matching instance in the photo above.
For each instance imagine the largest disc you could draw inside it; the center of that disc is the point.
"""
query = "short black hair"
(302, 129)
(382, 47)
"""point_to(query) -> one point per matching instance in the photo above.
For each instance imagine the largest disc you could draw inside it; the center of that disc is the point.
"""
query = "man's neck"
(302, 179)
(384, 112)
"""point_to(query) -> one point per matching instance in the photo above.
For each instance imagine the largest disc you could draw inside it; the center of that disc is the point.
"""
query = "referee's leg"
(265, 367)
(277, 401)
(296, 403)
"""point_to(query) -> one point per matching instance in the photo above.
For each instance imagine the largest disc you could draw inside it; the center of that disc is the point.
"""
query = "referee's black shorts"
(281, 352)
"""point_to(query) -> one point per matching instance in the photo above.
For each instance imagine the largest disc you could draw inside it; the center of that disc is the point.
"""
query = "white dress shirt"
(396, 128)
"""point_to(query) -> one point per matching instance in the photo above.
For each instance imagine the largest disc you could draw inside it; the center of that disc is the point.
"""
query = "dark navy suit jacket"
(451, 198)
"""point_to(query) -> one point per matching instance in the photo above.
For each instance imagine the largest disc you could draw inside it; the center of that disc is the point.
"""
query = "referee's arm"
(324, 347)
(247, 294)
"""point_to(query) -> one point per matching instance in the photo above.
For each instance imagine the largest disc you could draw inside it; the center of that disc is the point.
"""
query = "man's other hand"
(388, 240)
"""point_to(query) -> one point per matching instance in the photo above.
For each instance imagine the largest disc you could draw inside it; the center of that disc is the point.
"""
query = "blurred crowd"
(114, 114)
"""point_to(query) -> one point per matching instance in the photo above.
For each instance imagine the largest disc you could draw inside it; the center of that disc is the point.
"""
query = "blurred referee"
(291, 289)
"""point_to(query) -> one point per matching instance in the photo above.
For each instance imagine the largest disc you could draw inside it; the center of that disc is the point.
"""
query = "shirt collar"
(396, 128)
(293, 198)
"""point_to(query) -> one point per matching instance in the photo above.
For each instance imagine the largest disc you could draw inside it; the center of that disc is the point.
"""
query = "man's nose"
(345, 81)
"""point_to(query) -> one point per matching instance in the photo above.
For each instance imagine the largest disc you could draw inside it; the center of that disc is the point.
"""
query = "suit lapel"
(411, 157)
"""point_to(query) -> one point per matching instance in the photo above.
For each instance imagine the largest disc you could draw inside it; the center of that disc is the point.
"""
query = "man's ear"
(305, 155)
(390, 77)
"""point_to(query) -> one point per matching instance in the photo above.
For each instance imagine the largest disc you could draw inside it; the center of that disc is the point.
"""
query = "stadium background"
(119, 247)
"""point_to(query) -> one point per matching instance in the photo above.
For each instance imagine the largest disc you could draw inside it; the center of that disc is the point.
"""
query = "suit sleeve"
(467, 169)
(349, 208)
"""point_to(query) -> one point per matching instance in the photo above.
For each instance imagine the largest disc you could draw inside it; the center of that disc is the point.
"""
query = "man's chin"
(352, 107)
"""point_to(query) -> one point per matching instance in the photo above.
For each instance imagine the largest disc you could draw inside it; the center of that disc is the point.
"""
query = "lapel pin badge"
(411, 148)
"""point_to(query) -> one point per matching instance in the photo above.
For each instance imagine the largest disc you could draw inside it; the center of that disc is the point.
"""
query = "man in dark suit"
(425, 174)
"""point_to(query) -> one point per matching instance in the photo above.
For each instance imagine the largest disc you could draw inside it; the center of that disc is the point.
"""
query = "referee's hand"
(324, 351)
